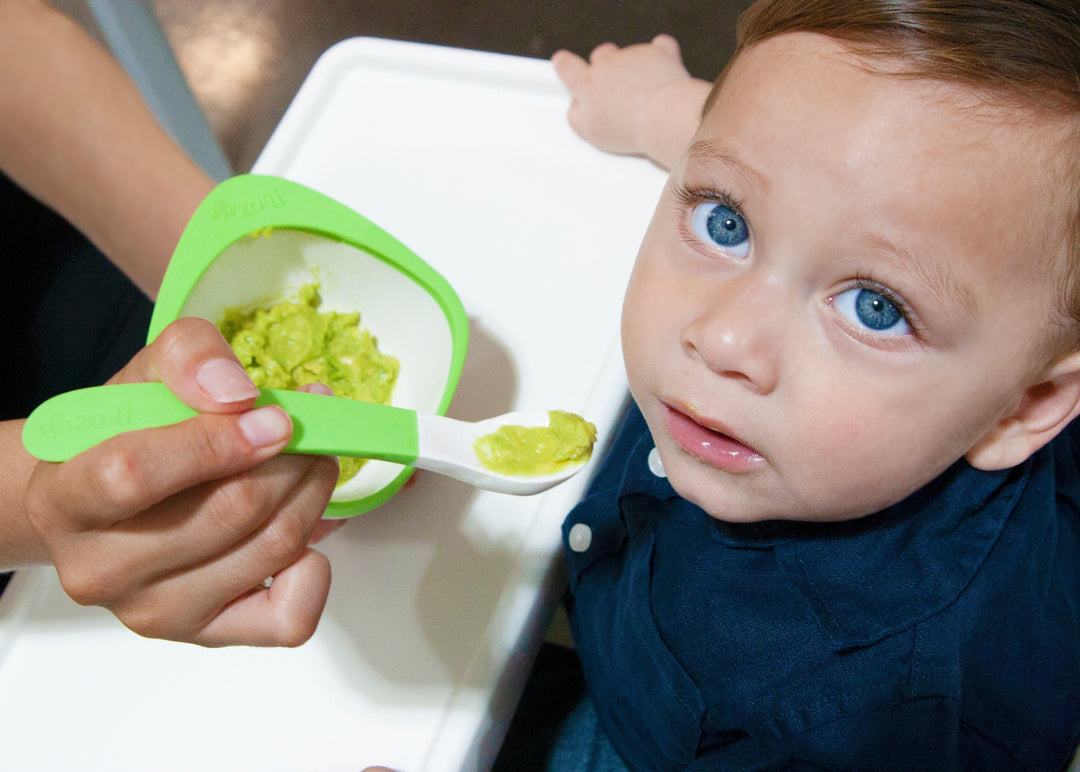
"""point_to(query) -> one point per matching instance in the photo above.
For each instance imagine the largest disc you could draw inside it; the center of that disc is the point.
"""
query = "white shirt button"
(656, 466)
(580, 537)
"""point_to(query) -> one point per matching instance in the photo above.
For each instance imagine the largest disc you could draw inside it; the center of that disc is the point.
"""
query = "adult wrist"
(20, 545)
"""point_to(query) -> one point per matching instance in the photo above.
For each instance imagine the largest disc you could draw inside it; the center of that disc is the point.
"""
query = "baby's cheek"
(845, 467)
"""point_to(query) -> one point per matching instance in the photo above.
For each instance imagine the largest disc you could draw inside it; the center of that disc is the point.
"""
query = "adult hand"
(176, 529)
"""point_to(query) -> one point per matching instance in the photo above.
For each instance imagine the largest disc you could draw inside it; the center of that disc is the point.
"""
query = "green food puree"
(292, 343)
(536, 450)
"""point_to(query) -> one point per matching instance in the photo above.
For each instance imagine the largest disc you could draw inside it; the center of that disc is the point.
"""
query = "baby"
(840, 529)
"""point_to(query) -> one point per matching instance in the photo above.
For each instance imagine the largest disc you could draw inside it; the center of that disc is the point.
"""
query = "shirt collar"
(875, 576)
(868, 578)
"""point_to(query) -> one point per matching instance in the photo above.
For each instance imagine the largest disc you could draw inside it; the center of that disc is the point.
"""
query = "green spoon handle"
(74, 421)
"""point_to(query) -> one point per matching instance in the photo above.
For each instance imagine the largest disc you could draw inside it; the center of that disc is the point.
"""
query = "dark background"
(245, 59)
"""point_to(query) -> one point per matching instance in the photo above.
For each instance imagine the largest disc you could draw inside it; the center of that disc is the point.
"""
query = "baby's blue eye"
(721, 226)
(872, 310)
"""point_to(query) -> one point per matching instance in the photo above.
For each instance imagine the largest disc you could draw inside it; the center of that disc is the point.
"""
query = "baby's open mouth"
(710, 443)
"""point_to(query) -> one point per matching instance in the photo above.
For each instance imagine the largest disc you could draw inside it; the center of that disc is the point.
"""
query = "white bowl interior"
(405, 318)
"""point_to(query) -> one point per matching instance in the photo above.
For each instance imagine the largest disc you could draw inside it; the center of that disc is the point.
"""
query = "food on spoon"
(534, 450)
(292, 343)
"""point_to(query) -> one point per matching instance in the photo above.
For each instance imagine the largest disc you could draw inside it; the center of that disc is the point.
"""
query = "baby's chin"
(729, 506)
(764, 493)
(740, 502)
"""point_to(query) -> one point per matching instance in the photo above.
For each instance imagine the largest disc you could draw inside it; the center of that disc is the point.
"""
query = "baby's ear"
(1045, 409)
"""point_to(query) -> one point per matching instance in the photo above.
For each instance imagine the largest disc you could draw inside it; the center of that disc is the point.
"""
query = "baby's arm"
(637, 100)
(175, 529)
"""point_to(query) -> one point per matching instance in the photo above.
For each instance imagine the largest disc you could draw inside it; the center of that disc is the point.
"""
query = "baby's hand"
(176, 529)
(612, 92)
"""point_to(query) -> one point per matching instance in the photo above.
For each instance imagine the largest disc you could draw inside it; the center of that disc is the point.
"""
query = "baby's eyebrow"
(710, 152)
(934, 274)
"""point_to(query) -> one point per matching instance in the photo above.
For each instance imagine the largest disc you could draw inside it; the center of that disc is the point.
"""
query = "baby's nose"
(739, 332)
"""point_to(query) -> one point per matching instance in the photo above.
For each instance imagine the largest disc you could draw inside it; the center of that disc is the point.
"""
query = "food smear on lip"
(292, 343)
(566, 441)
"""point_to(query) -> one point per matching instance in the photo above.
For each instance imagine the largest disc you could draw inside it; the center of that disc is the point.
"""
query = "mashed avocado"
(292, 343)
(534, 450)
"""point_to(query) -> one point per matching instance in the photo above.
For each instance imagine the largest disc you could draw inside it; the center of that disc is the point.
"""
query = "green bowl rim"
(248, 203)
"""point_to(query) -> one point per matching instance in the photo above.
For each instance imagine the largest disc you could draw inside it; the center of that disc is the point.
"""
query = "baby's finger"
(601, 51)
(571, 69)
(198, 366)
(576, 119)
(668, 44)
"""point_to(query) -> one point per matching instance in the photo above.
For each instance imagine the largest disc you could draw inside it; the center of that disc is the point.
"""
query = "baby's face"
(847, 283)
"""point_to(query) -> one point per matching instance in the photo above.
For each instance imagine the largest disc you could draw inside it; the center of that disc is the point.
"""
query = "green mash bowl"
(258, 239)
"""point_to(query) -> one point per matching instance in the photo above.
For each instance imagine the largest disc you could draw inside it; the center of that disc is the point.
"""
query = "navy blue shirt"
(941, 633)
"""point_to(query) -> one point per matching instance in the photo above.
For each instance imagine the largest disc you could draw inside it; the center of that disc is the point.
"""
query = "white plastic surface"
(439, 597)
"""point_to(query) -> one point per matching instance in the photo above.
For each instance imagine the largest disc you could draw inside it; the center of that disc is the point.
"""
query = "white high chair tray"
(440, 597)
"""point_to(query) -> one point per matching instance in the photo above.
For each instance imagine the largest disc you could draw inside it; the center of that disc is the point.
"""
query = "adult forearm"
(75, 132)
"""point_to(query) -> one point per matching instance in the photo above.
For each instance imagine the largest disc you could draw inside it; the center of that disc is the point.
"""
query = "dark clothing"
(70, 318)
(941, 633)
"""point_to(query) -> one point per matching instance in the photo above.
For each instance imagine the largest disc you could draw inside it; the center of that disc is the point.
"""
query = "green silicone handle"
(70, 423)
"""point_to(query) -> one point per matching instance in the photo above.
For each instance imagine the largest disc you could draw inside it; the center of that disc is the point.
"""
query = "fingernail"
(225, 380)
(320, 388)
(265, 426)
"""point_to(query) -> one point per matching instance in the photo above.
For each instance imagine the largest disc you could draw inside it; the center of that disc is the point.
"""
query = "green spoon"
(74, 421)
